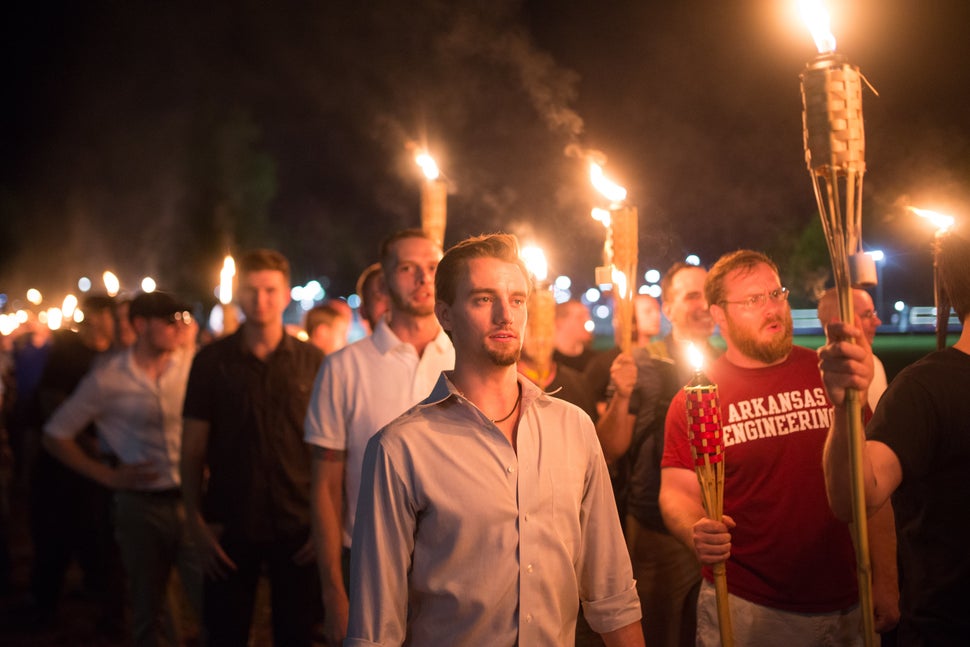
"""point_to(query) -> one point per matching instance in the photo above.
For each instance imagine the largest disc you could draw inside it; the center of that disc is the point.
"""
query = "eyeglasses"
(779, 295)
(869, 314)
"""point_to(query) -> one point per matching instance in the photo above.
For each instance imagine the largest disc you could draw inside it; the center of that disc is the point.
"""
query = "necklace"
(515, 406)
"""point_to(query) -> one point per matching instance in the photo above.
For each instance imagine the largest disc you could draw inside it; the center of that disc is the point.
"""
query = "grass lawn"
(896, 351)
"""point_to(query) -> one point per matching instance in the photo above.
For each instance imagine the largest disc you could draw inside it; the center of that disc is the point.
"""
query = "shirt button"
(528, 569)
(526, 517)
(510, 469)
(528, 617)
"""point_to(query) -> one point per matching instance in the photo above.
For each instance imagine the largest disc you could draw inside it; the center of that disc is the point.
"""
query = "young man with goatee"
(485, 513)
(359, 390)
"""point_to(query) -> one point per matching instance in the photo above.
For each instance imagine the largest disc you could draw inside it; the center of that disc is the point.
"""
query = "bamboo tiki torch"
(942, 304)
(541, 323)
(622, 246)
(835, 153)
(434, 199)
(706, 440)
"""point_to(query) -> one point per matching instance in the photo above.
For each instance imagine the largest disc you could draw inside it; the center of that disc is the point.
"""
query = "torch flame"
(535, 260)
(619, 283)
(111, 283)
(427, 164)
(601, 215)
(817, 18)
(69, 306)
(942, 222)
(610, 190)
(695, 357)
(225, 280)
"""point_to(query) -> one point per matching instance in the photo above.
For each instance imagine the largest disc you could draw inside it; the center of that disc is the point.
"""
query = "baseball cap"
(159, 305)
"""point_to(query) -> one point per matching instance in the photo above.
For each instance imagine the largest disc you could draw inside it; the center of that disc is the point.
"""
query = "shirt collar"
(445, 389)
(385, 340)
(286, 345)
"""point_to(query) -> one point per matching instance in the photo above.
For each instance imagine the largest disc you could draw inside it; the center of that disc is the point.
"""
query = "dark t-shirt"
(571, 386)
(259, 467)
(575, 362)
(656, 385)
(924, 417)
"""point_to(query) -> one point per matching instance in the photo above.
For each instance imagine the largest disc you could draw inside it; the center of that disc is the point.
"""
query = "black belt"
(170, 493)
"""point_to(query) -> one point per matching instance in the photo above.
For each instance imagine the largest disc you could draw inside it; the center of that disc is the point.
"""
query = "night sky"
(152, 137)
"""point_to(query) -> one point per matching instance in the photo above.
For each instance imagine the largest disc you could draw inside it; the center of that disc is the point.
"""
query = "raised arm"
(615, 426)
(846, 365)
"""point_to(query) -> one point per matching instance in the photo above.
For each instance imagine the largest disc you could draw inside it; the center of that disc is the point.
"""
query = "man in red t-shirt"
(790, 563)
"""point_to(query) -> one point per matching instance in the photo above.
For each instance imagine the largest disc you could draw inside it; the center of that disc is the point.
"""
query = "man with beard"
(485, 512)
(790, 562)
(360, 389)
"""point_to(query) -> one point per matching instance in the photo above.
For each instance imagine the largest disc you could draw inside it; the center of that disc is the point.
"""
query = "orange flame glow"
(428, 166)
(817, 18)
(610, 190)
(942, 222)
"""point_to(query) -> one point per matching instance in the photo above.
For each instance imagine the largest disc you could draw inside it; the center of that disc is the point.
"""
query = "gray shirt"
(461, 540)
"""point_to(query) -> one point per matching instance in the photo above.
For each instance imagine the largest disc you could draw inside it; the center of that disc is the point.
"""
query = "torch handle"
(860, 530)
(723, 609)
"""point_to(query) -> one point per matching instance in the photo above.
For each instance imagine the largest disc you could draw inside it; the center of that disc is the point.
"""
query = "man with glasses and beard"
(361, 388)
(486, 513)
(790, 562)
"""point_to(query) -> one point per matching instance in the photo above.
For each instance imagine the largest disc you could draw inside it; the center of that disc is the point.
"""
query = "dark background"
(153, 137)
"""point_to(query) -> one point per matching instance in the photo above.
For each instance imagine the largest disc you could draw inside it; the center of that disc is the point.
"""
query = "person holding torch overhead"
(917, 452)
(789, 561)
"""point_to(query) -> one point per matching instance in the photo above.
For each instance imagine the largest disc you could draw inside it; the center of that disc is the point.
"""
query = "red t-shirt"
(788, 550)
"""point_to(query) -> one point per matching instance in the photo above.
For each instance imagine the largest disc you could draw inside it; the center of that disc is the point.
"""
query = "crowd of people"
(474, 472)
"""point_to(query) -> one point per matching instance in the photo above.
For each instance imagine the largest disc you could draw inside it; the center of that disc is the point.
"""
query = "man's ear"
(718, 315)
(443, 311)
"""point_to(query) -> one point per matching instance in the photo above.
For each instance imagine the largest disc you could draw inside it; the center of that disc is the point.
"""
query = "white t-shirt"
(364, 386)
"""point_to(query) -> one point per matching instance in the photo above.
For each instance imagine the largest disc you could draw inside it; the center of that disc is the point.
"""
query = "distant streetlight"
(693, 259)
(148, 284)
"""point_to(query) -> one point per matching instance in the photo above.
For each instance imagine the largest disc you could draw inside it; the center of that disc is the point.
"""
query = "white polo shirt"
(363, 387)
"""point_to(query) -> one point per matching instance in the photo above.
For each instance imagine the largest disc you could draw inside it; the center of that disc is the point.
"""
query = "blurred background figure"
(124, 332)
(868, 320)
(573, 335)
(373, 296)
(30, 348)
(70, 515)
(327, 326)
(537, 363)
(646, 317)
(135, 400)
